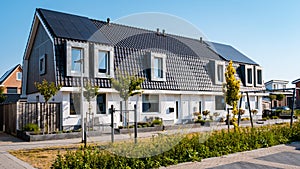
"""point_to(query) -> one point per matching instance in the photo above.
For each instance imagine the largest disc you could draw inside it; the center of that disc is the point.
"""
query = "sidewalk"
(11, 143)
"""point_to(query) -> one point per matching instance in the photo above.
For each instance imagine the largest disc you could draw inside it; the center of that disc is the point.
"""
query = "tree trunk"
(126, 113)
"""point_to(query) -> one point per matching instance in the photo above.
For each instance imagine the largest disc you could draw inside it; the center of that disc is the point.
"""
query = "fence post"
(112, 123)
(17, 116)
(135, 124)
(293, 107)
(248, 101)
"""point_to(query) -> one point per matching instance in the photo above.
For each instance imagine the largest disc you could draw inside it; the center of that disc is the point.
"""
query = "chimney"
(164, 32)
(108, 21)
(157, 31)
(201, 40)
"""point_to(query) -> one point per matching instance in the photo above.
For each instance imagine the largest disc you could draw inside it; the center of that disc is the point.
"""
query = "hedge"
(164, 150)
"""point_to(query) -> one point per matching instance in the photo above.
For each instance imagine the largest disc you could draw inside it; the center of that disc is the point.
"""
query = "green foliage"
(47, 89)
(90, 92)
(173, 149)
(127, 85)
(280, 97)
(272, 97)
(31, 127)
(156, 122)
(232, 88)
(2, 97)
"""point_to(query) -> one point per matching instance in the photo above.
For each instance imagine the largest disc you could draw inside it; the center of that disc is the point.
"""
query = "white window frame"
(42, 67)
(257, 68)
(110, 72)
(17, 76)
(84, 47)
(246, 75)
(219, 63)
(158, 55)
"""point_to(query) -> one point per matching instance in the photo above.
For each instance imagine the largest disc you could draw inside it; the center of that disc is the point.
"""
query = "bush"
(245, 119)
(31, 127)
(274, 117)
(156, 122)
(165, 150)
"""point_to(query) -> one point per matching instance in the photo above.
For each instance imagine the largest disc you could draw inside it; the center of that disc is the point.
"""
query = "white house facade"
(182, 75)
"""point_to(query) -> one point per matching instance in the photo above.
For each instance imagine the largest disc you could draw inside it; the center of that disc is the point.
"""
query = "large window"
(220, 73)
(12, 90)
(103, 58)
(75, 103)
(101, 104)
(249, 76)
(220, 103)
(150, 103)
(77, 55)
(158, 67)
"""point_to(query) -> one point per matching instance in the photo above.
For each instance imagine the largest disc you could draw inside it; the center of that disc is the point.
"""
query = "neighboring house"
(11, 80)
(297, 85)
(280, 84)
(182, 75)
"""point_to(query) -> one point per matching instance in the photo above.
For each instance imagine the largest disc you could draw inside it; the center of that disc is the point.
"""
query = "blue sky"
(267, 31)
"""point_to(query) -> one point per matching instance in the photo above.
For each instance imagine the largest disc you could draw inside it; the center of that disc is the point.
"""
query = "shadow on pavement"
(6, 138)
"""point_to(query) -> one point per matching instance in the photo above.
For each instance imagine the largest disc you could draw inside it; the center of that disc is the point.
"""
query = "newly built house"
(182, 75)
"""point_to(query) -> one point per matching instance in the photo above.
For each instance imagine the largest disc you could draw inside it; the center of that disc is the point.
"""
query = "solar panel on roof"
(72, 27)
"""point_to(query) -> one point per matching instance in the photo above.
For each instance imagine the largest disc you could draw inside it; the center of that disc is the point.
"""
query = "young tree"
(231, 90)
(47, 90)
(89, 93)
(127, 86)
(2, 97)
(280, 97)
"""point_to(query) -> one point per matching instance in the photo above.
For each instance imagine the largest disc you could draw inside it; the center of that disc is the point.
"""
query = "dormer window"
(249, 77)
(258, 76)
(217, 71)
(220, 73)
(77, 57)
(158, 66)
(103, 61)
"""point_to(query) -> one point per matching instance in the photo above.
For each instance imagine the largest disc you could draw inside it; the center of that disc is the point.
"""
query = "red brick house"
(11, 80)
(297, 83)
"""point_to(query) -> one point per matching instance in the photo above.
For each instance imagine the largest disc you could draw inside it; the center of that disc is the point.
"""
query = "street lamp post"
(81, 61)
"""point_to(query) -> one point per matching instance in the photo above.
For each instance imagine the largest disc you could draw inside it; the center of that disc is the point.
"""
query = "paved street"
(282, 156)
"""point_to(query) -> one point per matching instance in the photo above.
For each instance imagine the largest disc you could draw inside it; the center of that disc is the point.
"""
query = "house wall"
(12, 81)
(298, 95)
(42, 45)
(188, 104)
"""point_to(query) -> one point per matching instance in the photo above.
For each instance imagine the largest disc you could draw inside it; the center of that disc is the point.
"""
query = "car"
(281, 108)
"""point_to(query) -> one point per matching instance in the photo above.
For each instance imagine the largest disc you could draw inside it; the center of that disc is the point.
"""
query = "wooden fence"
(17, 115)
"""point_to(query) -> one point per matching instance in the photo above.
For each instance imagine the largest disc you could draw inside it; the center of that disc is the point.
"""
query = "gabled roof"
(230, 53)
(277, 81)
(71, 26)
(8, 73)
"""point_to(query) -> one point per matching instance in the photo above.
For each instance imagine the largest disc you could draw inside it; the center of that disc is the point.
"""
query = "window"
(200, 107)
(76, 60)
(101, 104)
(220, 103)
(157, 61)
(246, 106)
(19, 75)
(158, 67)
(75, 103)
(220, 73)
(249, 76)
(102, 62)
(256, 102)
(42, 64)
(259, 77)
(150, 103)
(284, 86)
(77, 54)
(12, 90)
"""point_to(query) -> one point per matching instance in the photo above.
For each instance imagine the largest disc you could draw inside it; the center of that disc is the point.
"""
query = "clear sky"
(267, 31)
